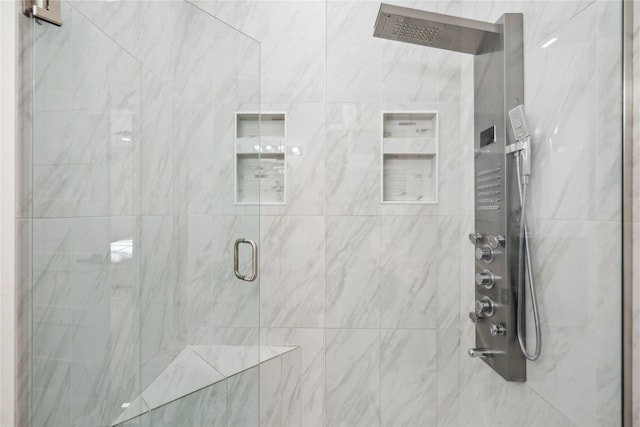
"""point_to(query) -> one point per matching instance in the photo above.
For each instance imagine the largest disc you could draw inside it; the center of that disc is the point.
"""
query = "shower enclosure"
(143, 172)
(134, 301)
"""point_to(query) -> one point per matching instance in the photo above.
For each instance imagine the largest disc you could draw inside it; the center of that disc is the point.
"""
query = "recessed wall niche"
(260, 163)
(410, 157)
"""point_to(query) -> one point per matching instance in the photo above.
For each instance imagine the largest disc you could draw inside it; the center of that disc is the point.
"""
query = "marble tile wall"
(397, 280)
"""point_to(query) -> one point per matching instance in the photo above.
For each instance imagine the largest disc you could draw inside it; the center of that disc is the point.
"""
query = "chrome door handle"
(254, 260)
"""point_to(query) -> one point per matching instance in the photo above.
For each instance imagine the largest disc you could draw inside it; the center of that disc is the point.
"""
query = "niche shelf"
(260, 163)
(409, 157)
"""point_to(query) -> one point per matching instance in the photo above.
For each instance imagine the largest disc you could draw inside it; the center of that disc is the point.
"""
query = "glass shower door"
(134, 216)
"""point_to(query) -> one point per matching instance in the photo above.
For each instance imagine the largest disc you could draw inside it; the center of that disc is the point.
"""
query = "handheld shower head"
(522, 146)
(518, 123)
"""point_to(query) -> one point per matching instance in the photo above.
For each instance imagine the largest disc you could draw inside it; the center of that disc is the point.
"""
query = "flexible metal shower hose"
(524, 246)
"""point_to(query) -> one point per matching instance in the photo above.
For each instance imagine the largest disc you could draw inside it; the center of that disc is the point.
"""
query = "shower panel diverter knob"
(475, 238)
(486, 279)
(497, 329)
(495, 241)
(484, 307)
(473, 316)
(484, 253)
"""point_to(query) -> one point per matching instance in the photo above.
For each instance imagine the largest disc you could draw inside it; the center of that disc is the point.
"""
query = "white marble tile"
(51, 393)
(53, 86)
(292, 388)
(448, 270)
(24, 338)
(353, 272)
(354, 57)
(562, 375)
(243, 396)
(219, 64)
(227, 359)
(157, 137)
(186, 373)
(607, 326)
(408, 271)
(562, 112)
(608, 98)
(103, 74)
(352, 380)
(448, 377)
(198, 158)
(290, 32)
(206, 407)
(159, 293)
(311, 342)
(408, 72)
(271, 393)
(450, 74)
(353, 159)
(408, 386)
(292, 268)
(51, 261)
(487, 400)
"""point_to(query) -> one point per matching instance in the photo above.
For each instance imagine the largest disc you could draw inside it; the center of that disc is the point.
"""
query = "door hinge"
(45, 10)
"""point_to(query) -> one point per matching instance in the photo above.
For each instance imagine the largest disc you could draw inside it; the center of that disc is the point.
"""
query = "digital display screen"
(488, 136)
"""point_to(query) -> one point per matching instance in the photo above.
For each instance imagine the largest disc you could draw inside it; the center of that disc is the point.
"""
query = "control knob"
(496, 241)
(484, 253)
(475, 238)
(497, 329)
(486, 279)
(484, 307)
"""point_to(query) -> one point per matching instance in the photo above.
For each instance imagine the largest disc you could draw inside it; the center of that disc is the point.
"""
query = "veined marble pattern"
(562, 113)
(311, 342)
(407, 295)
(353, 159)
(448, 270)
(352, 298)
(609, 90)
(292, 268)
(408, 390)
(354, 58)
(352, 378)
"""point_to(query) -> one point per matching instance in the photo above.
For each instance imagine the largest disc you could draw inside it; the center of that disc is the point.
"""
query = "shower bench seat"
(271, 371)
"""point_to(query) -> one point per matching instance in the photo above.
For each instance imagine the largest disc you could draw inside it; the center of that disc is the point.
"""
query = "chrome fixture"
(433, 29)
(484, 307)
(483, 353)
(475, 238)
(485, 278)
(45, 10)
(497, 329)
(254, 260)
(484, 253)
(522, 151)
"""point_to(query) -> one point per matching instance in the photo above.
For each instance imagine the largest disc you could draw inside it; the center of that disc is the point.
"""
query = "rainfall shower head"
(432, 29)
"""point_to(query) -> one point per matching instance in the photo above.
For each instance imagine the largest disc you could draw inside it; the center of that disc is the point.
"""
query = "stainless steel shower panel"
(433, 29)
(499, 87)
